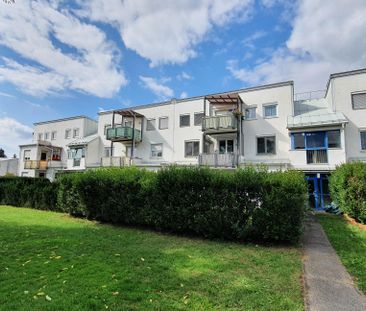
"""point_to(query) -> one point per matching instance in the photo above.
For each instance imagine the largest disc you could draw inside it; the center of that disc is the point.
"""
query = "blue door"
(313, 192)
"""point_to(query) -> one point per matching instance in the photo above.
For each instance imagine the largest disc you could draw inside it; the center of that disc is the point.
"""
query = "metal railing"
(123, 133)
(36, 164)
(309, 95)
(317, 156)
(217, 159)
(219, 123)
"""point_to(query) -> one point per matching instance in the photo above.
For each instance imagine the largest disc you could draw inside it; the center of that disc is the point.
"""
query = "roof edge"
(65, 119)
(343, 74)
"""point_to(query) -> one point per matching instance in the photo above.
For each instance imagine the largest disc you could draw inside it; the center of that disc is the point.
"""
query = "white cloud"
(183, 95)
(13, 133)
(184, 76)
(327, 37)
(7, 95)
(165, 31)
(162, 91)
(29, 28)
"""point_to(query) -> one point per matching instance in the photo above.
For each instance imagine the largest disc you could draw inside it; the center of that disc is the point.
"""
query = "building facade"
(259, 125)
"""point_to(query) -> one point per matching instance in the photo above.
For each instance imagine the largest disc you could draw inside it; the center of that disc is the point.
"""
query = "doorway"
(318, 191)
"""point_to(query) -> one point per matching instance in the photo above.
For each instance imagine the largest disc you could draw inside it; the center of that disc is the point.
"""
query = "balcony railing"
(121, 133)
(115, 161)
(36, 164)
(317, 156)
(217, 159)
(219, 123)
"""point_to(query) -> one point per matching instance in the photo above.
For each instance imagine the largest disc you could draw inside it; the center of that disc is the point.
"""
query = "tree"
(2, 153)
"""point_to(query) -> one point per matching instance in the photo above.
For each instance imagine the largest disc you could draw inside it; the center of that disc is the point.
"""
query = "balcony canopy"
(83, 141)
(128, 113)
(228, 98)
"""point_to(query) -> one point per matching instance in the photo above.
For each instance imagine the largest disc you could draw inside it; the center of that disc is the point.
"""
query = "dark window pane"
(198, 118)
(230, 146)
(363, 140)
(188, 148)
(334, 139)
(222, 146)
(298, 141)
(271, 145)
(150, 125)
(196, 148)
(261, 145)
(184, 120)
(315, 140)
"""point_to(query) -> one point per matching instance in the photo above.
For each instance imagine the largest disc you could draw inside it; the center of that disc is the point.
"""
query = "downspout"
(113, 120)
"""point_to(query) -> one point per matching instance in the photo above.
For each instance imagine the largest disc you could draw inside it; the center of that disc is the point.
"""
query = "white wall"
(9, 166)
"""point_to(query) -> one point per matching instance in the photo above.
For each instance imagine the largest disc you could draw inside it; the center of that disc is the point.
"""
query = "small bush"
(243, 204)
(348, 189)
(38, 193)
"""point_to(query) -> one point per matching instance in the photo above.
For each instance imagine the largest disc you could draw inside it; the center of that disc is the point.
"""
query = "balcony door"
(226, 146)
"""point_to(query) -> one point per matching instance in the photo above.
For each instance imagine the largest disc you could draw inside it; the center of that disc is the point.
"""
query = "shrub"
(37, 193)
(348, 189)
(243, 204)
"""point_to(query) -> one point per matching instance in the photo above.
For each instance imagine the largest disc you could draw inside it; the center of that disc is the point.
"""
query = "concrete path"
(328, 286)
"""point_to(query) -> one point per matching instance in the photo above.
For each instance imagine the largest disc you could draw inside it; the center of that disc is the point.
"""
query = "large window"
(226, 146)
(359, 101)
(270, 111)
(191, 148)
(250, 113)
(363, 140)
(156, 150)
(184, 120)
(316, 140)
(266, 145)
(76, 153)
(198, 118)
(163, 123)
(150, 125)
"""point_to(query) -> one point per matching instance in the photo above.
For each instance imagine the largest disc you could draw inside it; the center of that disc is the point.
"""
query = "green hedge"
(37, 193)
(238, 205)
(348, 189)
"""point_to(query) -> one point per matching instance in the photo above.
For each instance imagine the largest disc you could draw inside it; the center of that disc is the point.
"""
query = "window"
(250, 113)
(184, 120)
(198, 116)
(75, 132)
(163, 123)
(40, 136)
(363, 140)
(76, 153)
(226, 146)
(315, 140)
(266, 145)
(298, 141)
(156, 150)
(26, 155)
(53, 135)
(334, 139)
(67, 133)
(106, 127)
(359, 101)
(150, 125)
(270, 111)
(191, 148)
(46, 135)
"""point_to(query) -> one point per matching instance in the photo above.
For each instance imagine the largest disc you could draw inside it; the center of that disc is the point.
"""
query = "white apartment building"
(259, 125)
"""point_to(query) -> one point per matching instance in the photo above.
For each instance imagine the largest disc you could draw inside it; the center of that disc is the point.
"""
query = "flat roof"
(64, 119)
(248, 89)
(343, 74)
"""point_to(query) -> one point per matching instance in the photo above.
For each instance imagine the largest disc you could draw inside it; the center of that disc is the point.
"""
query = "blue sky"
(62, 58)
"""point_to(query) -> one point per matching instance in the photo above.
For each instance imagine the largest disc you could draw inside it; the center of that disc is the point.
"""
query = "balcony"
(123, 133)
(36, 164)
(217, 159)
(317, 156)
(219, 124)
(115, 161)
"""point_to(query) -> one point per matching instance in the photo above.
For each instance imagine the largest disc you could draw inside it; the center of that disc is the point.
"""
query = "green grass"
(82, 265)
(350, 243)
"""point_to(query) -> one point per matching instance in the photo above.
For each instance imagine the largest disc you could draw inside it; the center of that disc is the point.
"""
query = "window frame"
(70, 133)
(185, 115)
(193, 142)
(352, 102)
(362, 132)
(24, 157)
(250, 108)
(78, 132)
(151, 151)
(53, 135)
(325, 142)
(167, 125)
(46, 135)
(150, 121)
(266, 137)
(269, 105)
(201, 120)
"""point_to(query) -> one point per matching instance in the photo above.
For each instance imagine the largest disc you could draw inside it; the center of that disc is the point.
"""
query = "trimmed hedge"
(239, 205)
(37, 193)
(347, 186)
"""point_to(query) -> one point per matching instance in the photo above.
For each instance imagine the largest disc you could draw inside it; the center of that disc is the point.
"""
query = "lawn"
(350, 243)
(50, 261)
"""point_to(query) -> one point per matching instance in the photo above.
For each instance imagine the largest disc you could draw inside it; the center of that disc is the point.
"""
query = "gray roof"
(64, 119)
(313, 120)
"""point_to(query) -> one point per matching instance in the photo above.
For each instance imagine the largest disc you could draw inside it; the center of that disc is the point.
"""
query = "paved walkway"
(328, 286)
